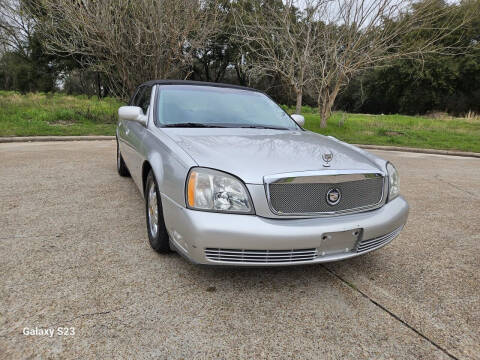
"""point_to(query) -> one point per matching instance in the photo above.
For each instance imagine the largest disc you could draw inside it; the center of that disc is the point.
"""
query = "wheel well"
(145, 170)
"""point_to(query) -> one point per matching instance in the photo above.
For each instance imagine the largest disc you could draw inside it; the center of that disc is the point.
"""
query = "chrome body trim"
(321, 176)
(377, 242)
(325, 177)
(260, 256)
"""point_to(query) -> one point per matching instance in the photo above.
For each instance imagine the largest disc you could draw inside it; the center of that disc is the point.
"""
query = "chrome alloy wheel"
(153, 210)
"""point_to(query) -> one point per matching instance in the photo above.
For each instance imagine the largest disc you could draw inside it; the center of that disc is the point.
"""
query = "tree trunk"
(240, 76)
(99, 86)
(324, 115)
(325, 104)
(207, 70)
(323, 108)
(298, 107)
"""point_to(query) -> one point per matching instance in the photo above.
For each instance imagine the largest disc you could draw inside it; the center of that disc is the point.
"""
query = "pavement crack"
(396, 317)
(123, 307)
(98, 313)
(455, 186)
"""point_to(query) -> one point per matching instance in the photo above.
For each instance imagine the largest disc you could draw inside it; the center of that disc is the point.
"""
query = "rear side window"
(144, 98)
(136, 96)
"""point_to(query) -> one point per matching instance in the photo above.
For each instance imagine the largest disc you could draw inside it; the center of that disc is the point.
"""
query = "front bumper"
(192, 232)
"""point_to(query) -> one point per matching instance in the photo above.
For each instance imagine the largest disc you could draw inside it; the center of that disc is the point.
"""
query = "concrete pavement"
(74, 253)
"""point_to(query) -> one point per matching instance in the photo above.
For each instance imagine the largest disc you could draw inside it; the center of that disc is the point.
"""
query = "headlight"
(393, 182)
(214, 190)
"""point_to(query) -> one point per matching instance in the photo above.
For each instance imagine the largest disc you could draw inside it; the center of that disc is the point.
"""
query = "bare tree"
(128, 41)
(355, 35)
(16, 27)
(279, 38)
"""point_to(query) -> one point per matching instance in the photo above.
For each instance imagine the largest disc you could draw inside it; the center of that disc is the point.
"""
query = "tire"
(121, 167)
(157, 232)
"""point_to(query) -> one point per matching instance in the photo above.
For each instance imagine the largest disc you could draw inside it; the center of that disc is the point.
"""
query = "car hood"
(252, 154)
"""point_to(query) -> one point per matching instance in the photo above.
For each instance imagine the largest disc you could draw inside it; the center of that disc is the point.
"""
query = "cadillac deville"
(229, 178)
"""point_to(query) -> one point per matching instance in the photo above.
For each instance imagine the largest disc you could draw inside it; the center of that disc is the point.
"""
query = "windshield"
(208, 106)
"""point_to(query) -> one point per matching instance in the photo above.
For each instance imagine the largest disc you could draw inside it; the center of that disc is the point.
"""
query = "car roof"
(197, 83)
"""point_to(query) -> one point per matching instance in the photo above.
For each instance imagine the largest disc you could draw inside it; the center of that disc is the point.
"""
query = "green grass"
(58, 114)
(399, 130)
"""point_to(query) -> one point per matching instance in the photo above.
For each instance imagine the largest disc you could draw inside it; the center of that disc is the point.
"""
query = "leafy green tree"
(28, 70)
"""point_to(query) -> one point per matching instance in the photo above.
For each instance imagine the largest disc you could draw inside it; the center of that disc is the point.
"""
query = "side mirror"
(299, 119)
(132, 113)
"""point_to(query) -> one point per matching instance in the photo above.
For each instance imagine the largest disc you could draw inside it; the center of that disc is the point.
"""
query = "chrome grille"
(371, 244)
(287, 198)
(260, 256)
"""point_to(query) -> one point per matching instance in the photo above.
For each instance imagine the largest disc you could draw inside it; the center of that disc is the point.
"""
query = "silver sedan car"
(229, 178)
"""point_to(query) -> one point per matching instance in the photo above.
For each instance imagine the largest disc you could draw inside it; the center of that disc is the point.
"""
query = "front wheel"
(157, 232)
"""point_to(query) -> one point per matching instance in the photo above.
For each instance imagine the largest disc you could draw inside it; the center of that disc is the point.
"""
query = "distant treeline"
(442, 83)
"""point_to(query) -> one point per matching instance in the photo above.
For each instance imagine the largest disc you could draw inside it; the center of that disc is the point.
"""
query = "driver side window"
(136, 96)
(144, 98)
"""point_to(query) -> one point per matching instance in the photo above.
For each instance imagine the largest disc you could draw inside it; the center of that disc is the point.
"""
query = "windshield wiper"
(200, 125)
(193, 125)
(263, 127)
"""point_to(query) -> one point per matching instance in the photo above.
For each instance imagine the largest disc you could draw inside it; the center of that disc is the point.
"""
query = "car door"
(134, 133)
(123, 130)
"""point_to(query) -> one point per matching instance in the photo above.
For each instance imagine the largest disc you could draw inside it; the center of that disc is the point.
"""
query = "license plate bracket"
(339, 241)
